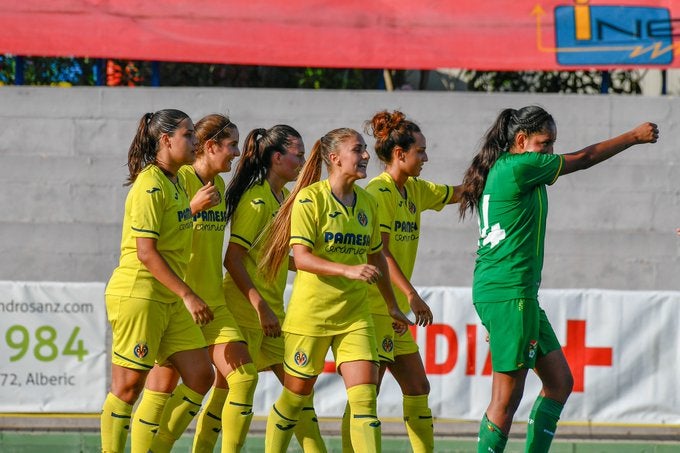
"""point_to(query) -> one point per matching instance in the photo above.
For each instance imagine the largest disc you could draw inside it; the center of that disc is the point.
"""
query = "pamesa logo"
(589, 34)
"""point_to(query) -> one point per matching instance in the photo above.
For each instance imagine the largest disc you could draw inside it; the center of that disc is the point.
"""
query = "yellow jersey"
(204, 272)
(252, 216)
(156, 208)
(329, 305)
(399, 216)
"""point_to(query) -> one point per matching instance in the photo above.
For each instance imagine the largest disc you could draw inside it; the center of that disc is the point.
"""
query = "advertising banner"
(53, 351)
(496, 35)
(623, 348)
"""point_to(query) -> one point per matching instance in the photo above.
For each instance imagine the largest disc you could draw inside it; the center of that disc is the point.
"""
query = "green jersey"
(155, 208)
(256, 209)
(204, 274)
(399, 216)
(323, 305)
(512, 217)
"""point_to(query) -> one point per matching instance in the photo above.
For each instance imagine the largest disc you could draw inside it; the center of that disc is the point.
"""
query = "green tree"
(586, 82)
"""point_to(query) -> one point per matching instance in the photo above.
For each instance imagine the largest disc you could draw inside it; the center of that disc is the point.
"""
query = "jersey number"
(489, 236)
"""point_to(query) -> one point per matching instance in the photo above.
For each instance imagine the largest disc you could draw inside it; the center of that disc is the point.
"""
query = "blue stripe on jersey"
(303, 238)
(447, 196)
(141, 230)
(136, 363)
(243, 239)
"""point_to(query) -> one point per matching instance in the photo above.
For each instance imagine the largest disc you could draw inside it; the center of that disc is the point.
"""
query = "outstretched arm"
(599, 152)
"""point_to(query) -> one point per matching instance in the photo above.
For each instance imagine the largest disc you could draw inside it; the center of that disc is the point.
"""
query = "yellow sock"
(146, 419)
(307, 430)
(364, 423)
(346, 437)
(209, 422)
(181, 408)
(115, 424)
(282, 420)
(418, 419)
(238, 408)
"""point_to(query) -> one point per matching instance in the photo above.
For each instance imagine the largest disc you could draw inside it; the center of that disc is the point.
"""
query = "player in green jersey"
(146, 295)
(506, 186)
(271, 158)
(401, 197)
(333, 229)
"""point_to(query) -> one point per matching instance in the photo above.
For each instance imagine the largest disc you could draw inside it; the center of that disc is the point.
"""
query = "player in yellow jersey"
(146, 295)
(217, 146)
(271, 158)
(401, 197)
(332, 228)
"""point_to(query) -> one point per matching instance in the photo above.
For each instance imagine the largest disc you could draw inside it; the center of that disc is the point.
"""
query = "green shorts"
(519, 332)
(223, 328)
(305, 356)
(147, 331)
(389, 343)
(265, 351)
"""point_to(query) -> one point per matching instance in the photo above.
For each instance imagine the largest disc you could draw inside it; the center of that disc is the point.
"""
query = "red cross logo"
(579, 355)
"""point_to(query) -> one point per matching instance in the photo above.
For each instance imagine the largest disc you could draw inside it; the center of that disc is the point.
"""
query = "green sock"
(115, 424)
(209, 423)
(364, 423)
(181, 408)
(307, 429)
(542, 424)
(238, 409)
(418, 419)
(282, 419)
(491, 439)
(146, 419)
(346, 436)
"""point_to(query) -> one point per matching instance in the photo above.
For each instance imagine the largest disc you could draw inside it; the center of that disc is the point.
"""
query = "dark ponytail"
(498, 139)
(144, 146)
(256, 160)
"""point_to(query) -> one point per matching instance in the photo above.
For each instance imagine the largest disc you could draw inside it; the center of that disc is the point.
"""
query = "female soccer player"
(217, 146)
(333, 229)
(271, 158)
(506, 185)
(401, 197)
(146, 295)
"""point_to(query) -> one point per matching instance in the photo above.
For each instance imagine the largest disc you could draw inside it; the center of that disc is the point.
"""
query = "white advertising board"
(623, 348)
(52, 347)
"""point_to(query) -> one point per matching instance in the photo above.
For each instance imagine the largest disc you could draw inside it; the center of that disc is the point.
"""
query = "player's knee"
(418, 386)
(201, 378)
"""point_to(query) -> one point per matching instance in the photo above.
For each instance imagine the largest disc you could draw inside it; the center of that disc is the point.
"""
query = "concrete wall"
(63, 159)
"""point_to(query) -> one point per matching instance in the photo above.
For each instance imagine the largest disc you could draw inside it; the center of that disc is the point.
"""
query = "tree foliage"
(88, 71)
(584, 82)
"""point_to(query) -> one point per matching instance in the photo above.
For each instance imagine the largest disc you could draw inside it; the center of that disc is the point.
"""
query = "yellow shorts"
(147, 331)
(265, 351)
(223, 328)
(389, 343)
(305, 356)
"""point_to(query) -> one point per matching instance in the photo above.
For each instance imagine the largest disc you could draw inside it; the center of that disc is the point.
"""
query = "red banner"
(425, 34)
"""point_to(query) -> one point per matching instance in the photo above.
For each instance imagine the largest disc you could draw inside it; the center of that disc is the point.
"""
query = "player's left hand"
(420, 309)
(199, 310)
(400, 323)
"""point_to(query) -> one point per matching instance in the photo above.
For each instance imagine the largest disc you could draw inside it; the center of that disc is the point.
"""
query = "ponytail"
(276, 246)
(498, 139)
(144, 146)
(256, 160)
